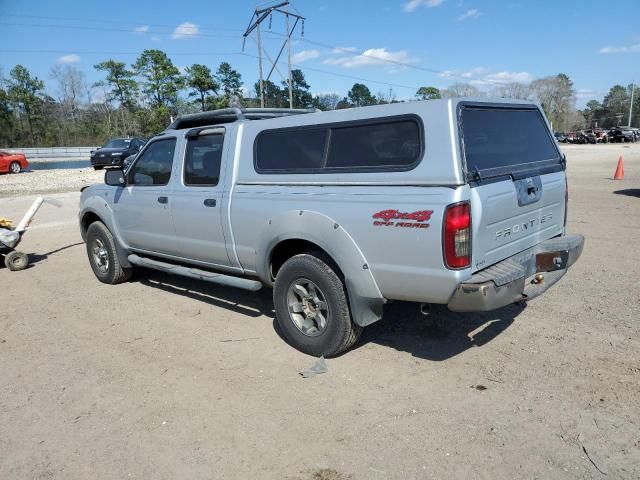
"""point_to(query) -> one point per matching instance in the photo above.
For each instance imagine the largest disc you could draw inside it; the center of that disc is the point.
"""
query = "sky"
(397, 44)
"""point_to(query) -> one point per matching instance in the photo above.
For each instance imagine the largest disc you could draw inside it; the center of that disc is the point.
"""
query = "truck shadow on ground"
(629, 192)
(440, 336)
(252, 304)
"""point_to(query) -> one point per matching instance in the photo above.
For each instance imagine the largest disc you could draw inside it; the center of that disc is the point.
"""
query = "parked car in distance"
(561, 137)
(587, 136)
(342, 212)
(571, 137)
(13, 162)
(598, 134)
(622, 135)
(113, 153)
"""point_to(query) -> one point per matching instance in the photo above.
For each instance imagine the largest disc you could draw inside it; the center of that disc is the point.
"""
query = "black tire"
(340, 332)
(103, 258)
(97, 167)
(15, 167)
(16, 261)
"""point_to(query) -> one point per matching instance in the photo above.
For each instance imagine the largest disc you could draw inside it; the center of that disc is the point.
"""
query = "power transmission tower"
(259, 16)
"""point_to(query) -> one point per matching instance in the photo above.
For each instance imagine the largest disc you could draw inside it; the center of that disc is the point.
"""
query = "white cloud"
(413, 5)
(373, 56)
(471, 13)
(502, 78)
(340, 50)
(142, 29)
(304, 55)
(155, 38)
(627, 49)
(67, 59)
(481, 76)
(185, 30)
(474, 72)
(588, 94)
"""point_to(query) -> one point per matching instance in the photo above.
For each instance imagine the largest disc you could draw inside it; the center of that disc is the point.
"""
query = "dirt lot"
(165, 378)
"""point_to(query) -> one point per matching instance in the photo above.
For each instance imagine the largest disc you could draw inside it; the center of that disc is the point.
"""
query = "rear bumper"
(516, 279)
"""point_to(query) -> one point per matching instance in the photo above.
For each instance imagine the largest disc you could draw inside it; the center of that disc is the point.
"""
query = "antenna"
(259, 16)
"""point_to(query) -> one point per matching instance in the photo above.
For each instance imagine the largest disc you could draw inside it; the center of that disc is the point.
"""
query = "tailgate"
(517, 179)
(503, 226)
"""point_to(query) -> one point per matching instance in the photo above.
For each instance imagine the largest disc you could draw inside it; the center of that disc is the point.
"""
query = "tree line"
(139, 99)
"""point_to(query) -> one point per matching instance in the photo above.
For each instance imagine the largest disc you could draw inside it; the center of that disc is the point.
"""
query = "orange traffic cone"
(619, 175)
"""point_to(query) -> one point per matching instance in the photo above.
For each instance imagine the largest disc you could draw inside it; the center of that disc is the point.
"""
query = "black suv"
(115, 151)
(621, 134)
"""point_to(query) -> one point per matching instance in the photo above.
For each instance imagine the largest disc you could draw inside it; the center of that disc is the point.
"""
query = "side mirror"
(115, 177)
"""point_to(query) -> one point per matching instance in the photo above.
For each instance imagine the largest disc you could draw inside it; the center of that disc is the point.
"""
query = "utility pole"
(290, 80)
(260, 65)
(633, 87)
(259, 16)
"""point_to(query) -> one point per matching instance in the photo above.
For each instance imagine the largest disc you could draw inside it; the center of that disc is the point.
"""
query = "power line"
(118, 22)
(209, 54)
(107, 29)
(351, 77)
(104, 52)
(363, 53)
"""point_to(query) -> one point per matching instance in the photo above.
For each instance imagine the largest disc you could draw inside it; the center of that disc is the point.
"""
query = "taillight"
(457, 236)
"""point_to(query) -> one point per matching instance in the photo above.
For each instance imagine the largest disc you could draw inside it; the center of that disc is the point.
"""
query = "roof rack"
(233, 114)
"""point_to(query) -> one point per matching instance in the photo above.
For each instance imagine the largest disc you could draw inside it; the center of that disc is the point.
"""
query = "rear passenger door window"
(154, 166)
(203, 160)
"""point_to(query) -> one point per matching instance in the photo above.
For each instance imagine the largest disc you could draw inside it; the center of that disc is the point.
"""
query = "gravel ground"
(48, 181)
(167, 378)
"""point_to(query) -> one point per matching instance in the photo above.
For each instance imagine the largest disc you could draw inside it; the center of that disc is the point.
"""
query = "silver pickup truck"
(457, 202)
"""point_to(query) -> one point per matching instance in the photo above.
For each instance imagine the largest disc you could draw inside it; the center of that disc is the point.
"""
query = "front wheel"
(101, 249)
(311, 306)
(15, 167)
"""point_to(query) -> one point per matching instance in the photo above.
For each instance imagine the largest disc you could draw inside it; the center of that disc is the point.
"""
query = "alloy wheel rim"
(308, 307)
(100, 255)
(15, 168)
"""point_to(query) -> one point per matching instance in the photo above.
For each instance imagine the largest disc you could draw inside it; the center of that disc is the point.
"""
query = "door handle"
(163, 200)
(209, 202)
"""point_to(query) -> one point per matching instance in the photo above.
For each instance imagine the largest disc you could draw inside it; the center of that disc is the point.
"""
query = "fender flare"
(364, 296)
(121, 250)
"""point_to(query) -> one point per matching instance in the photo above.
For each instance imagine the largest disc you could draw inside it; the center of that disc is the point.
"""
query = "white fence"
(55, 152)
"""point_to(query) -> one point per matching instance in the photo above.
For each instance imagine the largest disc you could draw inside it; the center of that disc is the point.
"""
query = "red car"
(12, 162)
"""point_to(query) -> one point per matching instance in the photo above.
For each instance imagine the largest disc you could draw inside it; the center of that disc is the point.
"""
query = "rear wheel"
(97, 167)
(311, 306)
(16, 261)
(101, 250)
(15, 167)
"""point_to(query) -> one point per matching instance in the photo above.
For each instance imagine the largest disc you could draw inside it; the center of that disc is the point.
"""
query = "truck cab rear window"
(501, 139)
(357, 146)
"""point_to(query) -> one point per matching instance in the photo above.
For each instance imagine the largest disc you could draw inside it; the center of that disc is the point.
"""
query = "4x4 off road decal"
(396, 218)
